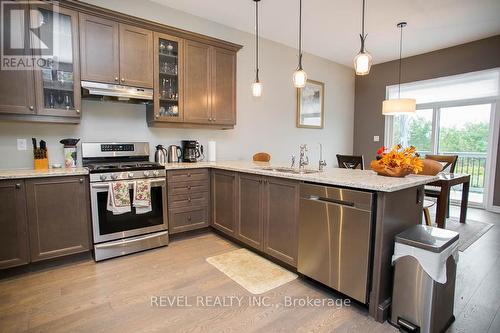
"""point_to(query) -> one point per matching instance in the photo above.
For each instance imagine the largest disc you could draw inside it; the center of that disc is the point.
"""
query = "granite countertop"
(361, 179)
(32, 173)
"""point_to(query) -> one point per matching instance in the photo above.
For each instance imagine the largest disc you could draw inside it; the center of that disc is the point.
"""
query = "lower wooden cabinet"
(250, 224)
(224, 201)
(58, 216)
(264, 216)
(281, 202)
(13, 224)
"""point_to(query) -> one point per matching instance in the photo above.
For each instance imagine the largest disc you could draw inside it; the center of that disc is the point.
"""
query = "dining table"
(446, 181)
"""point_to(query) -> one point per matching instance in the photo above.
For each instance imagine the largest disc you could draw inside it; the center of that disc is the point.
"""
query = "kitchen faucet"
(303, 158)
(322, 162)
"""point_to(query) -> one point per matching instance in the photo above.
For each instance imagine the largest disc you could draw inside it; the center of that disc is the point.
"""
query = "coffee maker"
(192, 151)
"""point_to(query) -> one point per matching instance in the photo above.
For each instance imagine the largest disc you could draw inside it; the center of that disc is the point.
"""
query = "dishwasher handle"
(330, 200)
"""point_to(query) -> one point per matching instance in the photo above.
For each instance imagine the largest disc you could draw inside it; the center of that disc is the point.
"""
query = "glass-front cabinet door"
(168, 79)
(58, 81)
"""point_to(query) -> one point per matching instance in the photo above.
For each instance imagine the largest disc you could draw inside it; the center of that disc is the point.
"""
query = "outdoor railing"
(473, 164)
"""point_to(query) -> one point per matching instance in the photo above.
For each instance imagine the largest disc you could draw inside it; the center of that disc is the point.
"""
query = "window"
(453, 118)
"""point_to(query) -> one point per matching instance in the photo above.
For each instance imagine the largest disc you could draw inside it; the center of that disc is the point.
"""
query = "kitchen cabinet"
(58, 216)
(13, 224)
(168, 82)
(99, 49)
(281, 202)
(224, 200)
(223, 84)
(250, 210)
(115, 53)
(50, 93)
(197, 82)
(188, 199)
(58, 85)
(136, 56)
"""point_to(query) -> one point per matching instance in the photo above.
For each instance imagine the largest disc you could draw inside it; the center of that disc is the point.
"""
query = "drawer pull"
(18, 186)
(189, 199)
(189, 175)
(189, 187)
(189, 218)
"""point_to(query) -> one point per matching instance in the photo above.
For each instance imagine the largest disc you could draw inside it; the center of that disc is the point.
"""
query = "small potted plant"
(397, 162)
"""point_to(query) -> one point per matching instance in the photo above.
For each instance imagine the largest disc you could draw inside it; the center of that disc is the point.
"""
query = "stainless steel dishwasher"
(335, 226)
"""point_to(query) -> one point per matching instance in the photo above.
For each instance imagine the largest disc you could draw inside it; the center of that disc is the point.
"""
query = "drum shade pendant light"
(300, 76)
(399, 105)
(363, 61)
(256, 85)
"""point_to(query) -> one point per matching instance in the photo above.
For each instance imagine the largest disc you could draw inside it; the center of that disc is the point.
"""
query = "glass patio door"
(465, 131)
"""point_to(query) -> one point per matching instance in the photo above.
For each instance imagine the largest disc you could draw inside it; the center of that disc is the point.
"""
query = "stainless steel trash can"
(423, 256)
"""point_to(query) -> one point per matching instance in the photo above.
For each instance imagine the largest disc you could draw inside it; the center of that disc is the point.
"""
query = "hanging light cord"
(256, 41)
(363, 36)
(300, 34)
(400, 53)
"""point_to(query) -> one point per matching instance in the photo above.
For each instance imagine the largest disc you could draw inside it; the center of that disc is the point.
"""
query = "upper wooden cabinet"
(115, 53)
(99, 49)
(208, 87)
(223, 94)
(136, 56)
(197, 83)
(50, 93)
(13, 223)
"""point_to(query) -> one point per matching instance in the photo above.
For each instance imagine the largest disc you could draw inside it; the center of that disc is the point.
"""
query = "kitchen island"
(241, 189)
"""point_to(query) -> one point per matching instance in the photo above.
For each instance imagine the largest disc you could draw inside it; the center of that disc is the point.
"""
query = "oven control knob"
(130, 175)
(102, 177)
(146, 173)
(113, 176)
(156, 173)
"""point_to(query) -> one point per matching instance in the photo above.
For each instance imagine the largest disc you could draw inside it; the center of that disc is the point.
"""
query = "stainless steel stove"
(116, 235)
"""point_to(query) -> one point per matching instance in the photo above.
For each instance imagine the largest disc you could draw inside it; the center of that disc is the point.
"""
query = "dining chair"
(350, 161)
(261, 157)
(449, 163)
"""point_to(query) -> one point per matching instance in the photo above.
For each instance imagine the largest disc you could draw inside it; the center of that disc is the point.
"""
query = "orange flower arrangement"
(397, 162)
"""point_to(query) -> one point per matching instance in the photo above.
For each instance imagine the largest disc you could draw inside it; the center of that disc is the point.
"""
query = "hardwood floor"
(115, 295)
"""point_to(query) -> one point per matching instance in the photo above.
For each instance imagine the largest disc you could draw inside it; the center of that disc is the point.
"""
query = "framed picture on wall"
(310, 109)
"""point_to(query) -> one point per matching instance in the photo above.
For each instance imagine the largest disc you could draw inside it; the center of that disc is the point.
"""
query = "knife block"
(41, 159)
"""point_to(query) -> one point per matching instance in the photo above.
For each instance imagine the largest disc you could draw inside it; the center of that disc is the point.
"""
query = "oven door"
(107, 226)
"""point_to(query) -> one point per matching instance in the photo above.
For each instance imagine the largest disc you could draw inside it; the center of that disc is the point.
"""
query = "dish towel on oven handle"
(118, 198)
(142, 196)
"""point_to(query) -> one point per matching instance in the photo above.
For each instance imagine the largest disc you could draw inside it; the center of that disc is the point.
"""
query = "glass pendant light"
(363, 61)
(399, 105)
(300, 76)
(256, 85)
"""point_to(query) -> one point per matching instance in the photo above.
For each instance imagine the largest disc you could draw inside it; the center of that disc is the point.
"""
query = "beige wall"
(265, 124)
(370, 89)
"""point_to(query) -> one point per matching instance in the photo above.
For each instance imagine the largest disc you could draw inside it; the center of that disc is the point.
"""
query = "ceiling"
(331, 27)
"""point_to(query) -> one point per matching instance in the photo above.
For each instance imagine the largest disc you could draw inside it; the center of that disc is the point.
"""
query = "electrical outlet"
(376, 138)
(21, 144)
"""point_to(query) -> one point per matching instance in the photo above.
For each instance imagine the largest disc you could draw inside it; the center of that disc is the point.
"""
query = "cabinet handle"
(116, 78)
(31, 107)
(18, 186)
(123, 80)
(189, 175)
(78, 111)
(209, 119)
(189, 199)
(189, 218)
(213, 119)
(81, 180)
(189, 187)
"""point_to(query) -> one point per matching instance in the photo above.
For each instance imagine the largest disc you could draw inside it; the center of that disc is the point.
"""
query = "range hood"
(115, 92)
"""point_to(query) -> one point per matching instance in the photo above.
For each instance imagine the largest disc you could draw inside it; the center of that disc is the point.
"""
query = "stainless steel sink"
(289, 170)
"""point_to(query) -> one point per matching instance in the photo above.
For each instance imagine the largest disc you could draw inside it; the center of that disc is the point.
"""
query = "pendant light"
(256, 85)
(300, 76)
(363, 61)
(399, 105)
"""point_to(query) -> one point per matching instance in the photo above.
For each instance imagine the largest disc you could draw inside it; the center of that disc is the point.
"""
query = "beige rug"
(251, 271)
